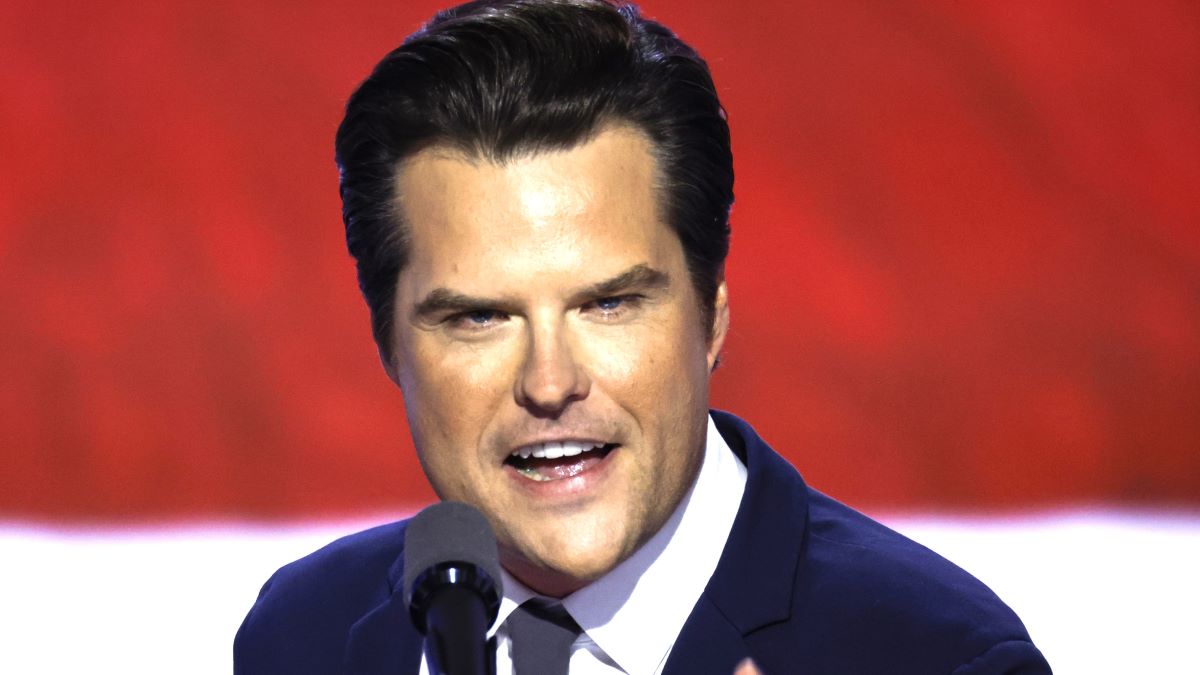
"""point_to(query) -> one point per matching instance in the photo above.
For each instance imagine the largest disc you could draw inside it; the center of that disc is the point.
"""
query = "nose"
(551, 376)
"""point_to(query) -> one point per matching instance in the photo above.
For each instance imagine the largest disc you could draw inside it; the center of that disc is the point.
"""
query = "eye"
(476, 319)
(609, 304)
(613, 306)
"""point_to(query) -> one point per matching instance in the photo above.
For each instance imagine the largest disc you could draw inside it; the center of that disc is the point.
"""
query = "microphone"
(452, 587)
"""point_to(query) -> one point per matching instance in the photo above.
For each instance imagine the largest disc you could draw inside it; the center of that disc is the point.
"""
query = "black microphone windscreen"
(449, 532)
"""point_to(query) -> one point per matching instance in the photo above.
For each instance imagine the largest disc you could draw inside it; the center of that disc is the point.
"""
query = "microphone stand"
(458, 612)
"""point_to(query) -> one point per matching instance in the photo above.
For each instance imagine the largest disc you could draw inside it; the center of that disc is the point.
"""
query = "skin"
(546, 300)
(747, 667)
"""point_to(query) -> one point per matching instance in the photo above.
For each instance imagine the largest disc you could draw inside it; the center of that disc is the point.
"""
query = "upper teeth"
(555, 449)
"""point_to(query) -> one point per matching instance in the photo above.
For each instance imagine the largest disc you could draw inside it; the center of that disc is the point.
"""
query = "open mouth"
(557, 460)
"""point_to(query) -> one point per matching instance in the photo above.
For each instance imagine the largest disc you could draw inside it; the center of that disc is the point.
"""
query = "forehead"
(589, 207)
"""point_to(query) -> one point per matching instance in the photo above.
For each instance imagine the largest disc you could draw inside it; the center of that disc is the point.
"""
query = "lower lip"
(575, 486)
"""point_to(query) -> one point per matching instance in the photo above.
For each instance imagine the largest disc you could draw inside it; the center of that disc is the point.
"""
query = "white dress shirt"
(632, 615)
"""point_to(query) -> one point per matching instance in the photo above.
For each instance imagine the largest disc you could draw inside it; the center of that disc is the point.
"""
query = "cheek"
(451, 399)
(443, 375)
(657, 368)
(615, 358)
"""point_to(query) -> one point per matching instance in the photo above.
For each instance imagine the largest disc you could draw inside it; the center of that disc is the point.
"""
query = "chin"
(587, 566)
(563, 569)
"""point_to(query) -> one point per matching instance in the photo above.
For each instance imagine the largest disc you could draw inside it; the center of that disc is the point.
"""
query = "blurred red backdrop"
(965, 269)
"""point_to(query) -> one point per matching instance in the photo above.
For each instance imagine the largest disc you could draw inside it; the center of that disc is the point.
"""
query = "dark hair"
(495, 79)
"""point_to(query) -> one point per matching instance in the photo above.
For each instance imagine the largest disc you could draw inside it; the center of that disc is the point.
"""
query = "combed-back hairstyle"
(502, 78)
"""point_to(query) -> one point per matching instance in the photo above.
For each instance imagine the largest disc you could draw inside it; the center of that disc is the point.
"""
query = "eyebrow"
(639, 277)
(446, 301)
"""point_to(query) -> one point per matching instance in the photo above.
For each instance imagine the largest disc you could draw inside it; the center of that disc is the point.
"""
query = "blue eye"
(616, 307)
(609, 304)
(476, 319)
(482, 316)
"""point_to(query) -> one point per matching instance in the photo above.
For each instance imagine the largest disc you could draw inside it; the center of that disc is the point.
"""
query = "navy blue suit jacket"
(804, 585)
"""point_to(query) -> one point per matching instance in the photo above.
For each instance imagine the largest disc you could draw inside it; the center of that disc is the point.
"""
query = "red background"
(965, 268)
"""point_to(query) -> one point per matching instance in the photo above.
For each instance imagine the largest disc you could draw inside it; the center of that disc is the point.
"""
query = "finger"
(747, 667)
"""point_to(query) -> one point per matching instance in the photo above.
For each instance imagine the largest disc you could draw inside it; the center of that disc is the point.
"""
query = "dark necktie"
(542, 633)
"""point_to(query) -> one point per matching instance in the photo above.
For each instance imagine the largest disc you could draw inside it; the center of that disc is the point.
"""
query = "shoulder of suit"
(873, 587)
(305, 610)
(848, 547)
(371, 550)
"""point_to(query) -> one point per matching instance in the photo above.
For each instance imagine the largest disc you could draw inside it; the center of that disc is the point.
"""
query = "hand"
(747, 667)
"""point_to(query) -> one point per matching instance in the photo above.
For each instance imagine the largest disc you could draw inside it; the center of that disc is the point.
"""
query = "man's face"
(547, 310)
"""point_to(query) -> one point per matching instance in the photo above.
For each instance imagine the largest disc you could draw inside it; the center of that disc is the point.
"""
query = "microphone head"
(450, 543)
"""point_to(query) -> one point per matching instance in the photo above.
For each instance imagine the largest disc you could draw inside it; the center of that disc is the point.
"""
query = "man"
(537, 195)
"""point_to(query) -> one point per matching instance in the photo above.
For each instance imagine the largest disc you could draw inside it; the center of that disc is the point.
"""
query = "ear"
(720, 325)
(389, 366)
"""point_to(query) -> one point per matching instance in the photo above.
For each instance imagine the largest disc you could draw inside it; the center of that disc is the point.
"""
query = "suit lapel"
(384, 641)
(708, 643)
(753, 584)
